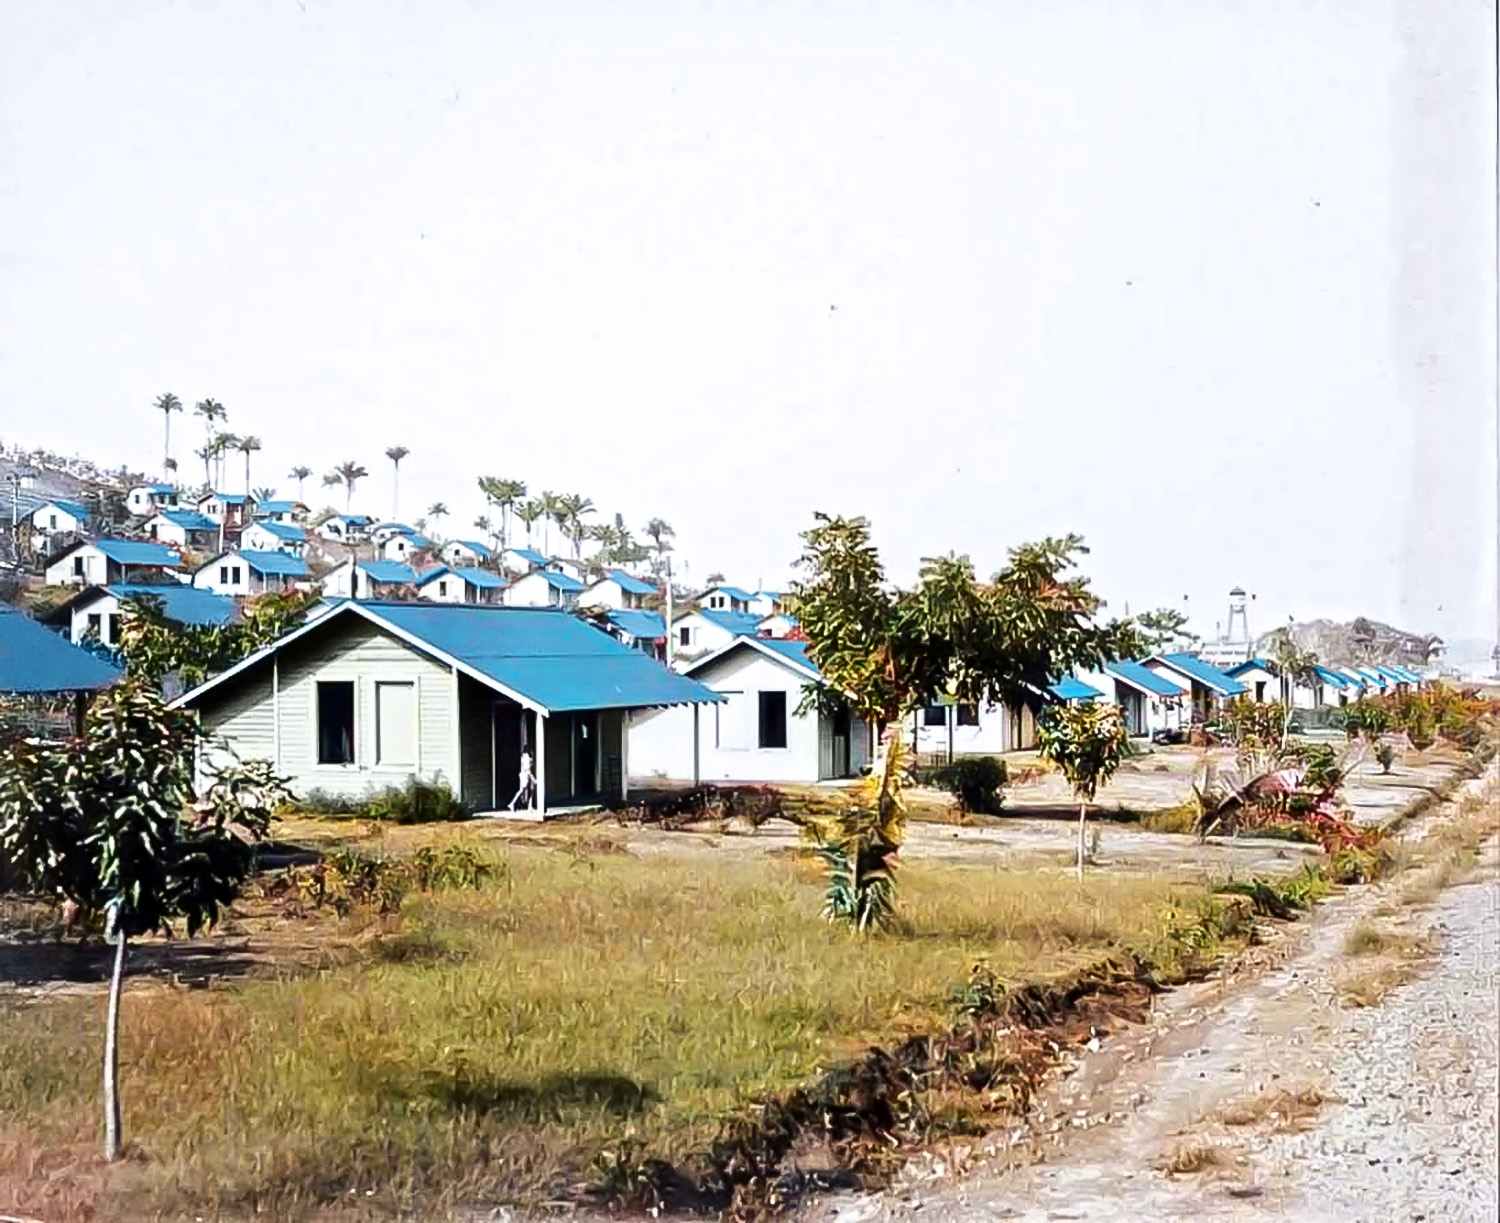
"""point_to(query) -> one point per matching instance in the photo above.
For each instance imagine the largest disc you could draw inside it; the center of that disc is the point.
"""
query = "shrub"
(975, 781)
(417, 802)
(1386, 754)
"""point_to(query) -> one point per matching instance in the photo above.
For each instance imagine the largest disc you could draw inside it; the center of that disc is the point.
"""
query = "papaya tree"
(1087, 740)
(110, 823)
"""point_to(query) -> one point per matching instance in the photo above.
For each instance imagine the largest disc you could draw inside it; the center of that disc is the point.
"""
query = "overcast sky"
(1210, 283)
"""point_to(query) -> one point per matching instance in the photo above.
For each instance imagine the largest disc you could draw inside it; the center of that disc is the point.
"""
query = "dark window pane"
(336, 723)
(773, 719)
(935, 715)
(968, 715)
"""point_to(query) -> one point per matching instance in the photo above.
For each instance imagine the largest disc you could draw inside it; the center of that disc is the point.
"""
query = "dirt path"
(1399, 1113)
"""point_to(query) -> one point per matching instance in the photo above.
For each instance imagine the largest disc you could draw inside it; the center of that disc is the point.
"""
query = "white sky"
(1209, 282)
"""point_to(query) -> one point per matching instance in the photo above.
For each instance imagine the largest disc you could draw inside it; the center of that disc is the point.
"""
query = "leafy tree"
(105, 823)
(1294, 666)
(166, 404)
(211, 411)
(154, 648)
(1163, 627)
(247, 446)
(482, 523)
(858, 846)
(300, 473)
(206, 453)
(572, 509)
(528, 512)
(1087, 740)
(396, 454)
(659, 531)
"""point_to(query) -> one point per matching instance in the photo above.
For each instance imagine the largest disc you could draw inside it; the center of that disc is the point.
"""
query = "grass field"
(489, 1045)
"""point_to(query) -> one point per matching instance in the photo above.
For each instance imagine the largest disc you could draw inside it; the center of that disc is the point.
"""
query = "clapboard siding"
(365, 654)
(244, 721)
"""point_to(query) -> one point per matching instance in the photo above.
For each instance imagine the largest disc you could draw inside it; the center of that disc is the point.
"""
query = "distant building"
(57, 517)
(543, 588)
(345, 528)
(271, 535)
(465, 584)
(183, 529)
(244, 571)
(369, 580)
(460, 552)
(696, 633)
(146, 499)
(98, 611)
(617, 589)
(99, 562)
(730, 599)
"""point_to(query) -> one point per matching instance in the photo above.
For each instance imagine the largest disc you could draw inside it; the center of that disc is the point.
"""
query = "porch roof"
(1142, 678)
(34, 659)
(1204, 673)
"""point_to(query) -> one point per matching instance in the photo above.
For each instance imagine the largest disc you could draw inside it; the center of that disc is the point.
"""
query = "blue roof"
(1070, 688)
(35, 659)
(1373, 676)
(231, 498)
(630, 583)
(277, 507)
(1251, 664)
(734, 592)
(1206, 674)
(483, 579)
(1142, 677)
(796, 651)
(284, 531)
(550, 657)
(1411, 676)
(741, 624)
(398, 528)
(647, 624)
(530, 555)
(190, 520)
(275, 562)
(137, 552)
(1391, 673)
(388, 571)
(480, 550)
(159, 488)
(76, 508)
(184, 604)
(559, 581)
(1332, 677)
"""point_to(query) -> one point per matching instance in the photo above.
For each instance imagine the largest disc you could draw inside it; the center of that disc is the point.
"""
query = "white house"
(272, 535)
(1207, 687)
(729, 599)
(369, 695)
(574, 569)
(244, 571)
(289, 513)
(465, 584)
(146, 499)
(617, 589)
(767, 602)
(1148, 702)
(57, 517)
(368, 580)
(516, 561)
(402, 546)
(701, 632)
(233, 510)
(99, 562)
(757, 733)
(99, 610)
(543, 588)
(463, 552)
(1262, 682)
(640, 630)
(345, 528)
(777, 624)
(183, 529)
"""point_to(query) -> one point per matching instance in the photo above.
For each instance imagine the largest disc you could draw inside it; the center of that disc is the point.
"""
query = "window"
(112, 630)
(96, 626)
(442, 587)
(234, 574)
(1260, 690)
(684, 636)
(336, 722)
(52, 522)
(935, 715)
(396, 723)
(968, 715)
(223, 575)
(78, 566)
(773, 719)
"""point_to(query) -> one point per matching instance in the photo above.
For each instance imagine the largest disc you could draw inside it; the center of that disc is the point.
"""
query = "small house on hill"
(1206, 686)
(617, 589)
(402, 546)
(233, 510)
(145, 500)
(570, 567)
(464, 584)
(462, 552)
(517, 561)
(640, 630)
(183, 529)
(288, 513)
(696, 634)
(371, 694)
(98, 612)
(345, 528)
(730, 599)
(98, 562)
(59, 517)
(1148, 702)
(757, 733)
(270, 535)
(543, 588)
(368, 580)
(244, 571)
(35, 661)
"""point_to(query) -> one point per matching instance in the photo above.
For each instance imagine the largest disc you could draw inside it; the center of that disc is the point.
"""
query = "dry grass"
(1192, 1157)
(491, 1046)
(1285, 1110)
(1367, 939)
(1183, 818)
(1369, 986)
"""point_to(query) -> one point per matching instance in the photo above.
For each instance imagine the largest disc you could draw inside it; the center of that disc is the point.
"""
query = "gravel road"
(1408, 1127)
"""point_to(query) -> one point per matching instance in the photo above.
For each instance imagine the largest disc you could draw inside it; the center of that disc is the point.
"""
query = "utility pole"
(671, 645)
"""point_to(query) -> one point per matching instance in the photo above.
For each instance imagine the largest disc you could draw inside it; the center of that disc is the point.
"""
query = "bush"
(1386, 754)
(975, 781)
(417, 802)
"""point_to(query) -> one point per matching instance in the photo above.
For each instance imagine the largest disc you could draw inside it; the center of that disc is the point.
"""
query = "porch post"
(624, 755)
(541, 763)
(457, 783)
(696, 767)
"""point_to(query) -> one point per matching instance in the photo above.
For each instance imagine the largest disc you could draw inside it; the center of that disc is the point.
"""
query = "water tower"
(1237, 614)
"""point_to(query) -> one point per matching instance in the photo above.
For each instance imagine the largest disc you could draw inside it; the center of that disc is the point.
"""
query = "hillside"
(1359, 640)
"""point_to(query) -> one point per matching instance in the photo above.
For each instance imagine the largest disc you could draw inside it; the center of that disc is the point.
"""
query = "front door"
(507, 723)
(585, 754)
(841, 742)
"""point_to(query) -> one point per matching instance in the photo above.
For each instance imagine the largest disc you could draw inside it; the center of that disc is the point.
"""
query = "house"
(270, 535)
(958, 728)
(245, 571)
(97, 612)
(701, 632)
(345, 528)
(574, 569)
(617, 589)
(777, 624)
(1359, 685)
(233, 511)
(183, 529)
(1334, 688)
(98, 562)
(1206, 686)
(464, 584)
(1399, 681)
(640, 630)
(288, 513)
(543, 588)
(368, 695)
(728, 599)
(459, 552)
(758, 732)
(145, 500)
(58, 517)
(521, 560)
(402, 546)
(1375, 682)
(356, 579)
(1261, 678)
(35, 661)
(1148, 702)
(767, 602)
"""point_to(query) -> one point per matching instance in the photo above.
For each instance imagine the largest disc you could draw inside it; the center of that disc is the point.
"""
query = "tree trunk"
(112, 1054)
(1083, 818)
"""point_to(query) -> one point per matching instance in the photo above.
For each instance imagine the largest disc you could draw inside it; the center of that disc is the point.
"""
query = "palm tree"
(574, 507)
(552, 511)
(210, 410)
(247, 446)
(299, 474)
(511, 491)
(435, 511)
(262, 495)
(223, 444)
(659, 530)
(396, 454)
(206, 453)
(528, 512)
(483, 524)
(348, 473)
(166, 404)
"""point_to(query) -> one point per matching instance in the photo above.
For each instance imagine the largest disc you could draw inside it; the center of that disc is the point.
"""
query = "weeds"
(1193, 1157)
(1286, 1110)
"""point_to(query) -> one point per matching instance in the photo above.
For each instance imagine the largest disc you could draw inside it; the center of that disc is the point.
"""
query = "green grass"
(492, 1044)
